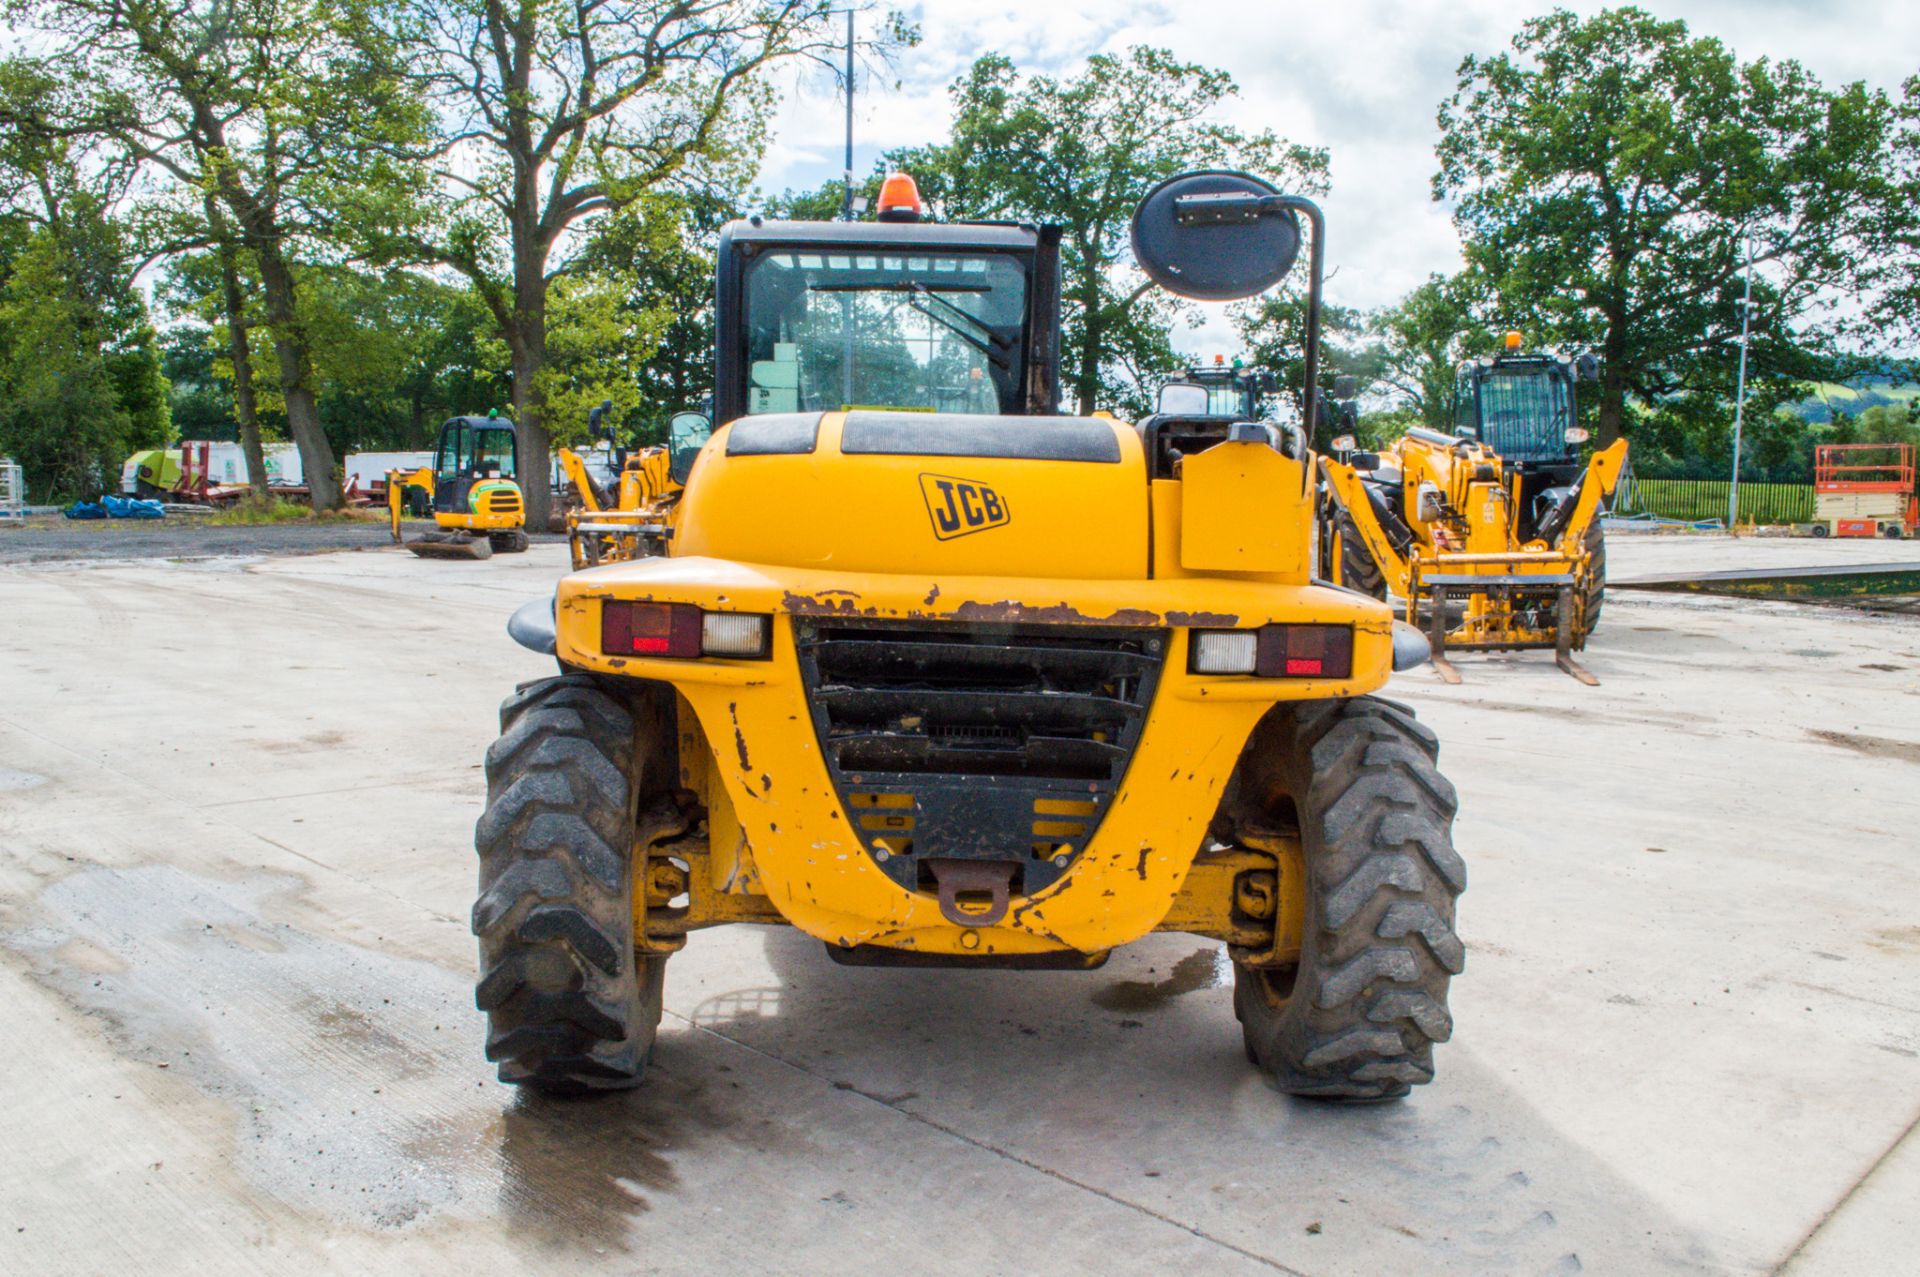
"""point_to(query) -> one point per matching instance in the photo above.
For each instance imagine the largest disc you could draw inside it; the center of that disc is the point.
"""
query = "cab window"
(493, 452)
(453, 452)
(854, 328)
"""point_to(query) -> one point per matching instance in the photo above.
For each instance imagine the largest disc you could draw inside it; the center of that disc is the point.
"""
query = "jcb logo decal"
(962, 506)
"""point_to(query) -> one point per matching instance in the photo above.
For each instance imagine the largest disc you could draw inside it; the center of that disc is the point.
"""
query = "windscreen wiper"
(932, 293)
(985, 328)
(994, 357)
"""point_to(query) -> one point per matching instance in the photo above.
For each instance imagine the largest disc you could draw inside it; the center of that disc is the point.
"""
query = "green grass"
(1836, 393)
(251, 512)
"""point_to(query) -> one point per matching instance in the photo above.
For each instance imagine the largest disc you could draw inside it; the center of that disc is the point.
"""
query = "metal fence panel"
(1697, 499)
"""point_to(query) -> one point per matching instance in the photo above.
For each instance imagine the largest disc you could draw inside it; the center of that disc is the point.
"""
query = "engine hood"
(894, 492)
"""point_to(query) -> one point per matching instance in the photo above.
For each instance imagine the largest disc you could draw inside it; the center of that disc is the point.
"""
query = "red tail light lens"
(1275, 651)
(650, 629)
(1304, 651)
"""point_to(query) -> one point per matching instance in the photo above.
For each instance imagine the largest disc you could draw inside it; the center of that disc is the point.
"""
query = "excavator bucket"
(451, 545)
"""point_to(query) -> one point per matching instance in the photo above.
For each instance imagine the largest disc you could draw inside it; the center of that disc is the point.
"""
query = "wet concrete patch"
(1904, 751)
(1201, 969)
(354, 1078)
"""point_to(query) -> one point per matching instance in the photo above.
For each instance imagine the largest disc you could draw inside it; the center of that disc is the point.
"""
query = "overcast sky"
(1362, 78)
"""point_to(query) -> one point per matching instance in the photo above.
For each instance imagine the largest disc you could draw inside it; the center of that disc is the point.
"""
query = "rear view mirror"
(1587, 368)
(1215, 235)
(1364, 461)
(1182, 399)
(1346, 387)
(687, 433)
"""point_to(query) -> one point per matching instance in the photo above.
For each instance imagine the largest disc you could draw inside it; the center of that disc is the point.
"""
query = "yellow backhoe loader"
(942, 677)
(1500, 518)
(471, 491)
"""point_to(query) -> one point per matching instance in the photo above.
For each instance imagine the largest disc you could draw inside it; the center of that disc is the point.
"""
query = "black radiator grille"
(983, 742)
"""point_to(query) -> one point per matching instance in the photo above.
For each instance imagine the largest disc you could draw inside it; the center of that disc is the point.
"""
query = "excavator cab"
(472, 451)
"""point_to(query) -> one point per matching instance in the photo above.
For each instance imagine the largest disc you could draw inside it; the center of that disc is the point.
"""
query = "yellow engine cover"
(854, 492)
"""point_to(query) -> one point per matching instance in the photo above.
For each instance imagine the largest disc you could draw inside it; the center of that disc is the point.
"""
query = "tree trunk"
(1086, 378)
(529, 345)
(296, 378)
(1613, 380)
(240, 351)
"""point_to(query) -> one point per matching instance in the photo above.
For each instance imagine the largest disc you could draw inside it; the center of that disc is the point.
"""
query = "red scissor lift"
(1864, 490)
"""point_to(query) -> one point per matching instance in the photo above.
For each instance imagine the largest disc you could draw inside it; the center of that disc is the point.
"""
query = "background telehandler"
(1501, 518)
(630, 519)
(983, 688)
(472, 492)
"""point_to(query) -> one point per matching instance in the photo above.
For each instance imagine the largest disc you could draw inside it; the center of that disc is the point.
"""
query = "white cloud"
(1362, 78)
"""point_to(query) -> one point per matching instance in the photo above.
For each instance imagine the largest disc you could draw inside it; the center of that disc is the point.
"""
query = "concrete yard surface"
(236, 816)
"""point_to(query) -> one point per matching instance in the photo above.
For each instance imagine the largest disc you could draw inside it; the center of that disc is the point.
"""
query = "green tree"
(1608, 173)
(1080, 153)
(80, 377)
(287, 113)
(1418, 344)
(557, 113)
(1274, 329)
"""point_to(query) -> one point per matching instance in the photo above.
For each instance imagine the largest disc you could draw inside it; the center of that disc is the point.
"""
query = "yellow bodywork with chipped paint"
(826, 535)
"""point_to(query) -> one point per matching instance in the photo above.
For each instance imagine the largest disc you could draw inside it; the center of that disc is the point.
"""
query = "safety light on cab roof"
(681, 631)
(1275, 651)
(1512, 339)
(899, 200)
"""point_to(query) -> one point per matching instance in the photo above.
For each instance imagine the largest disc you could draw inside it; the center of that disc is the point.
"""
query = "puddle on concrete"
(1904, 751)
(354, 1078)
(1202, 969)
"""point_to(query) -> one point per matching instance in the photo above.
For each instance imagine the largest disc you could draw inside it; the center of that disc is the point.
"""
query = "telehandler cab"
(1501, 516)
(945, 678)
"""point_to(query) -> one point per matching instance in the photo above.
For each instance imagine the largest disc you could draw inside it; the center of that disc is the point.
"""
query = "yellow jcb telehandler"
(628, 520)
(1500, 518)
(472, 492)
(947, 686)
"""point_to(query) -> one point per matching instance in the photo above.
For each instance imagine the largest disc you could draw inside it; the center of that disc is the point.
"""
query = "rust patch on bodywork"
(739, 737)
(1213, 620)
(1058, 613)
(825, 603)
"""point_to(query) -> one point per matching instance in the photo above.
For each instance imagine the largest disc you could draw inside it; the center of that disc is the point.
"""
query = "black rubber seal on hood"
(940, 434)
(777, 434)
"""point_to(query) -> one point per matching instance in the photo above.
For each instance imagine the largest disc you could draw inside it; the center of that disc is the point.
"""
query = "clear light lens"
(1577, 434)
(733, 634)
(1224, 651)
(1345, 443)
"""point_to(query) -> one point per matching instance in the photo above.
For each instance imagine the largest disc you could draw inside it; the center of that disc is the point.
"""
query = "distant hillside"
(1830, 398)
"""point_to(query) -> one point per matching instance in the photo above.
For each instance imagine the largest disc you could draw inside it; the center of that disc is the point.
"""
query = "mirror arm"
(1316, 268)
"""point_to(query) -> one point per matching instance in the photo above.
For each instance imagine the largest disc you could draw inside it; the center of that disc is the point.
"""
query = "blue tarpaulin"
(128, 508)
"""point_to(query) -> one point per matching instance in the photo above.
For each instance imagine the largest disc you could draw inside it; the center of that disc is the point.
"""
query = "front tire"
(571, 1008)
(1356, 1019)
(1358, 571)
(1596, 585)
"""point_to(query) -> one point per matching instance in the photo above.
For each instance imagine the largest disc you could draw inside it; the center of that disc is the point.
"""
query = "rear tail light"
(1275, 651)
(682, 631)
